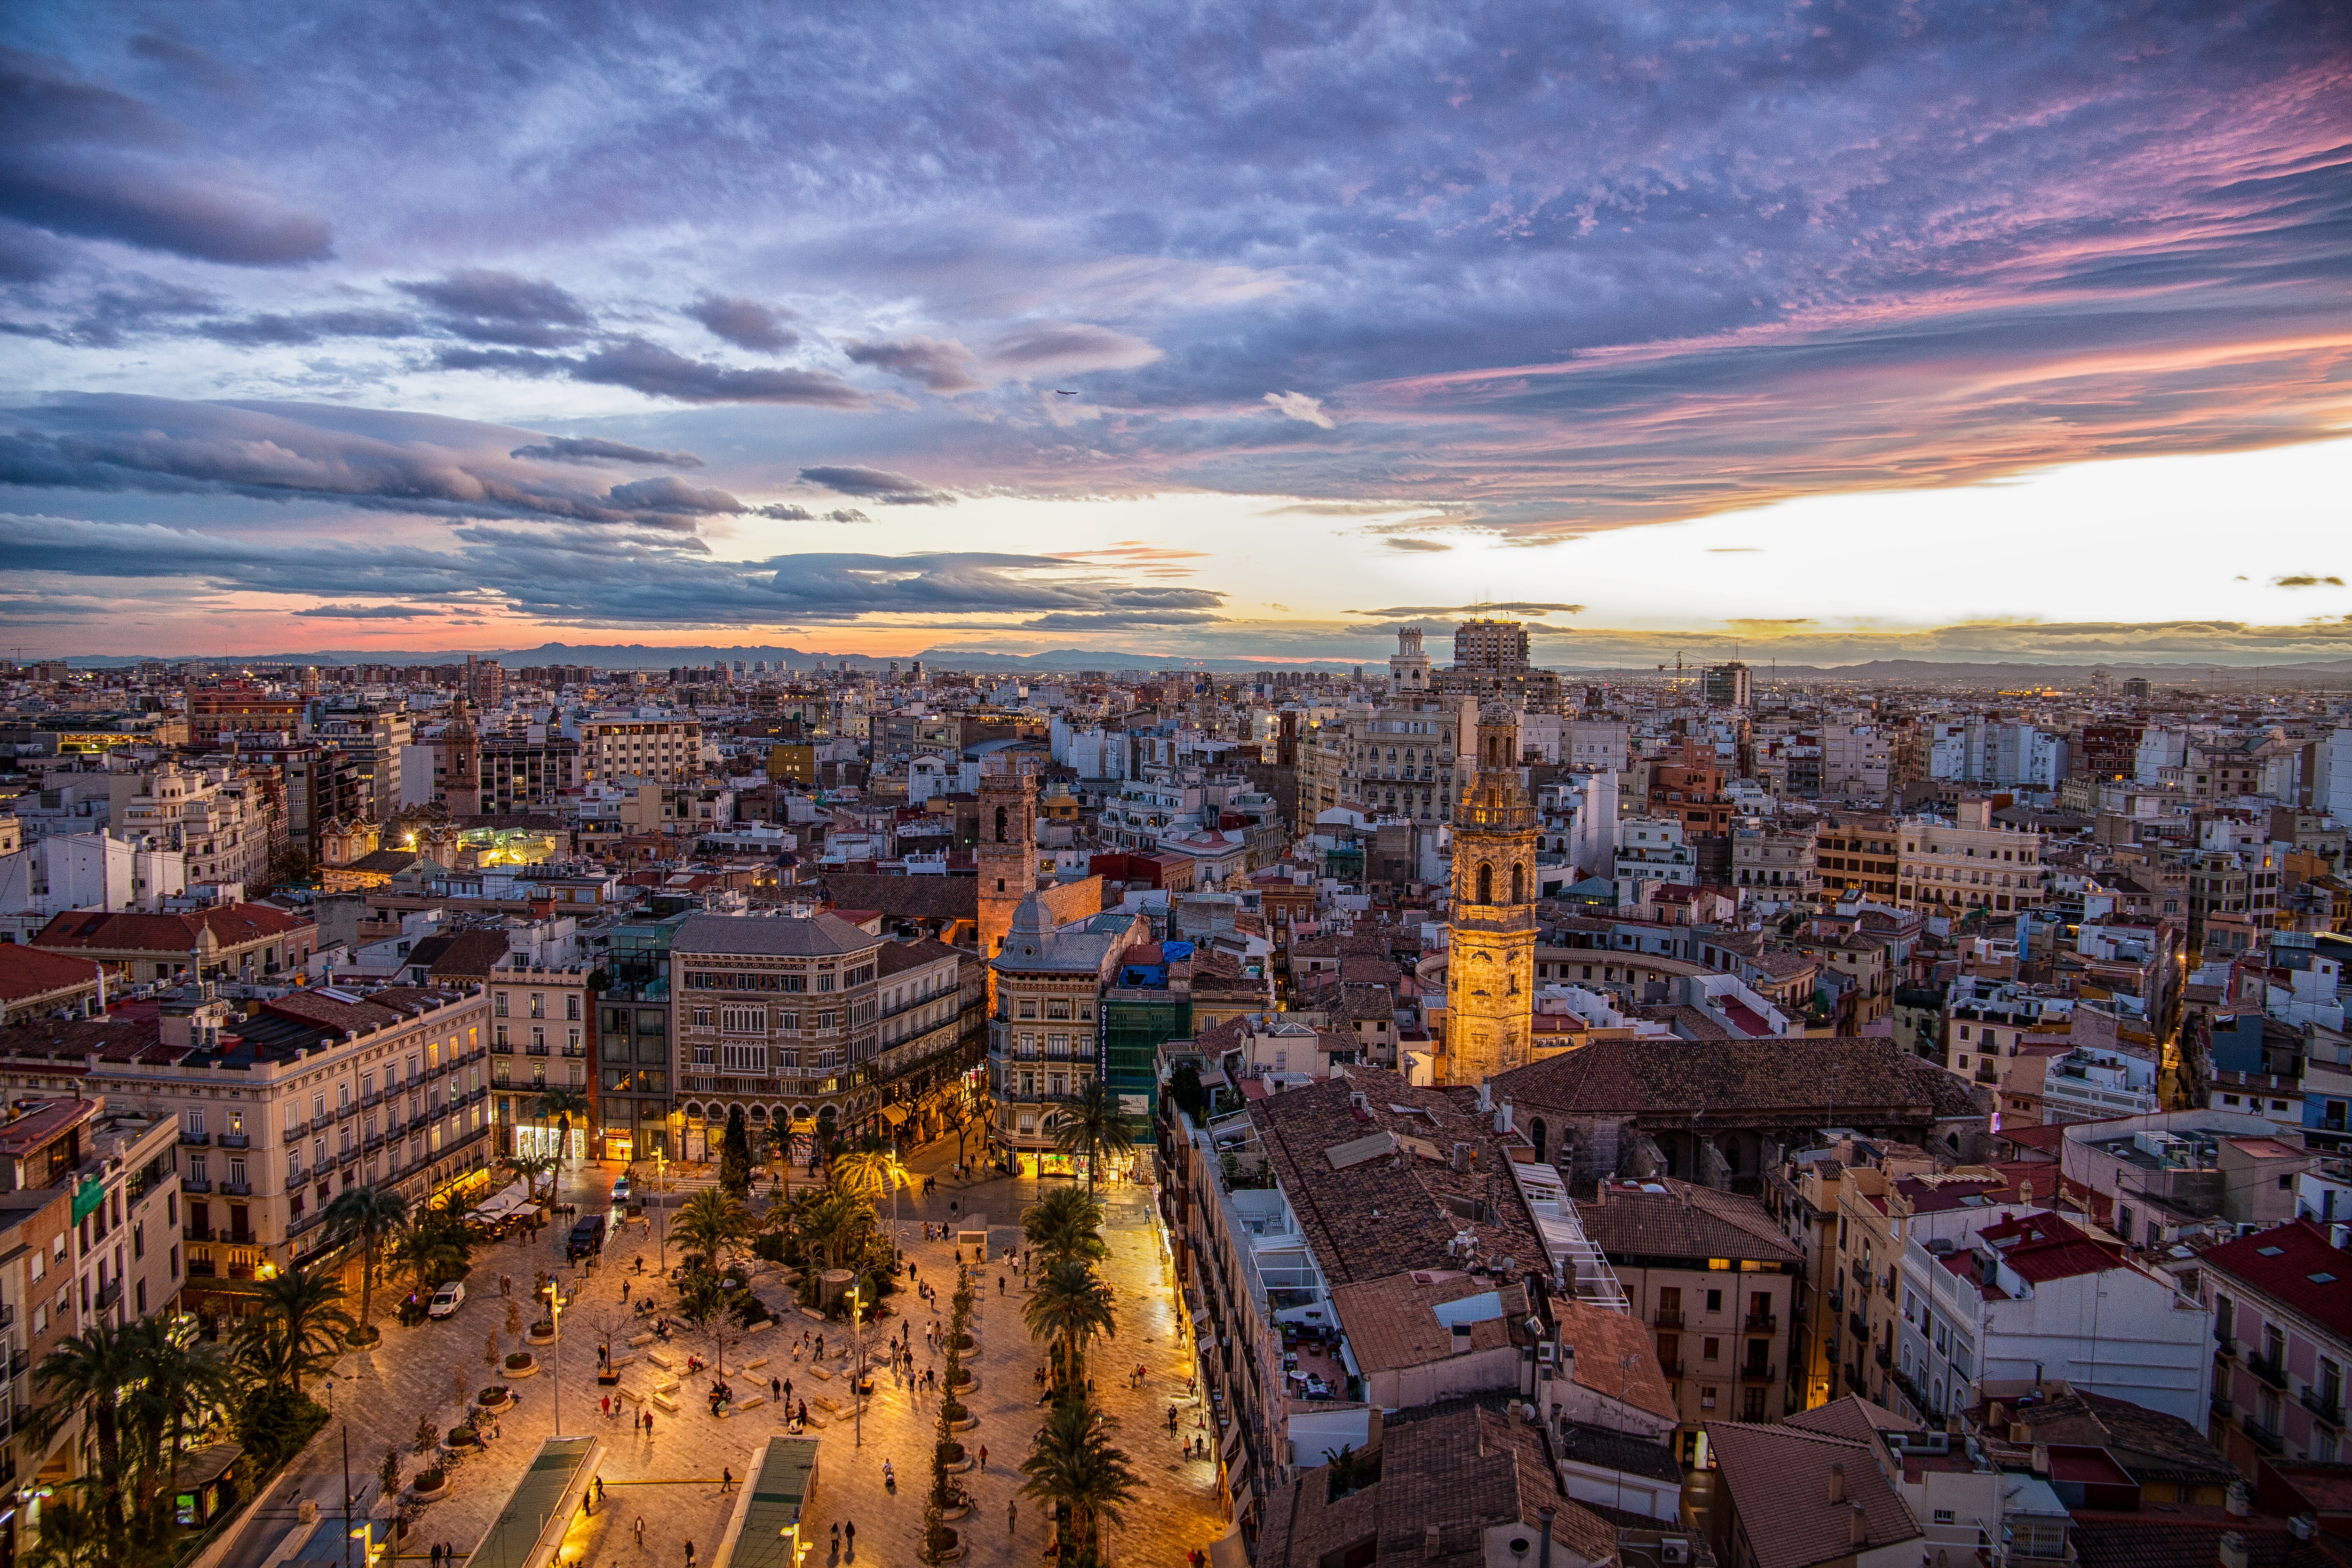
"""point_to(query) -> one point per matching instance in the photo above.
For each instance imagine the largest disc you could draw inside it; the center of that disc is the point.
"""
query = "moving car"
(447, 1300)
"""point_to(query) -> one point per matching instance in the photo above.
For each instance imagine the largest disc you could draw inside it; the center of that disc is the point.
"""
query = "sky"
(1824, 332)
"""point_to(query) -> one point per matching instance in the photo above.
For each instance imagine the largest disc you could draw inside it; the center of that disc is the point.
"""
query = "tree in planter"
(514, 1318)
(712, 1222)
(701, 1301)
(1069, 1306)
(938, 1539)
(735, 1156)
(301, 1328)
(490, 1352)
(371, 1214)
(1075, 1466)
(387, 1475)
(1064, 1223)
(426, 1435)
(435, 1246)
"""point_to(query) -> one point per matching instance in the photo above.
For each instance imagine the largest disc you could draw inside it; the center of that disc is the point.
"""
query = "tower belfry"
(1007, 856)
(1490, 969)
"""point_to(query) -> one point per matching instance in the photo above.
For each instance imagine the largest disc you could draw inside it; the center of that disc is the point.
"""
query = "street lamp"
(554, 1384)
(661, 1213)
(857, 1379)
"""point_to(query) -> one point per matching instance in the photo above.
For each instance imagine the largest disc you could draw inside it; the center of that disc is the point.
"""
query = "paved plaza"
(672, 1479)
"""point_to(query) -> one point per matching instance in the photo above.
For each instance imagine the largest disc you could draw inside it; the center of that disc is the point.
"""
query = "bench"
(761, 1327)
(752, 1402)
(755, 1364)
(668, 1385)
(638, 1341)
(665, 1402)
(813, 1312)
(817, 1372)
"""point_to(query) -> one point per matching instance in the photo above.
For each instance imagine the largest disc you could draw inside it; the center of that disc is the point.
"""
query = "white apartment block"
(668, 751)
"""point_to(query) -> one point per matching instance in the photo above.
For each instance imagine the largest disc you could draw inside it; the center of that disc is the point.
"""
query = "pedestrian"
(849, 1536)
(604, 1405)
(776, 1389)
(649, 1423)
(436, 1554)
(983, 1455)
(690, 1554)
(836, 1539)
(625, 1290)
(726, 1480)
(1000, 1284)
(1011, 1517)
(600, 1489)
(641, 1532)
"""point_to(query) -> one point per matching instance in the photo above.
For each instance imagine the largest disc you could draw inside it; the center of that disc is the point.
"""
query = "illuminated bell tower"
(1490, 974)
(461, 788)
(1007, 853)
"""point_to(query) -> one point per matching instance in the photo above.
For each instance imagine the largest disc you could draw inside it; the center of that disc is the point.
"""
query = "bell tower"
(1007, 856)
(461, 788)
(1490, 972)
(1408, 668)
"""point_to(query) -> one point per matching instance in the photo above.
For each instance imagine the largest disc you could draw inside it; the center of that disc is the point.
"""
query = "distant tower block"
(1490, 967)
(1007, 853)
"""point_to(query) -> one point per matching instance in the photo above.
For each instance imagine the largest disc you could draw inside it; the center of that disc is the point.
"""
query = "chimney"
(2041, 1459)
(1837, 1482)
(1543, 1558)
(2238, 1504)
(2304, 1525)
(2025, 1191)
(2233, 1550)
(1429, 1548)
(1858, 1531)
(2340, 1236)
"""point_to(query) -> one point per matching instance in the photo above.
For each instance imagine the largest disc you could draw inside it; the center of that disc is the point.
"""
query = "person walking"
(849, 1538)
(436, 1554)
(726, 1480)
(983, 1455)
(690, 1554)
(641, 1532)
(1011, 1517)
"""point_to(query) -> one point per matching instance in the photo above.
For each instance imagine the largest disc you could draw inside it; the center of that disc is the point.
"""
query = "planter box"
(968, 1423)
(529, 1368)
(423, 1495)
(493, 1398)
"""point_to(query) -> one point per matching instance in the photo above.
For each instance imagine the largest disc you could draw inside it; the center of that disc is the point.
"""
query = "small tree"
(938, 1539)
(491, 1352)
(735, 1156)
(387, 1475)
(514, 1317)
(424, 1436)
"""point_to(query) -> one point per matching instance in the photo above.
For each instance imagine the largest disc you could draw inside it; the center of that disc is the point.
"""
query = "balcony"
(345, 1112)
(1755, 1371)
(1666, 1317)
(1884, 1357)
(196, 1233)
(2225, 1349)
(201, 1268)
(196, 1184)
(503, 1047)
(195, 1140)
(2262, 1436)
(237, 1189)
(370, 1101)
(1861, 1330)
(538, 1050)
(2326, 1407)
(1762, 1323)
(109, 1294)
(2269, 1371)
(1837, 1302)
(2223, 1408)
(236, 1140)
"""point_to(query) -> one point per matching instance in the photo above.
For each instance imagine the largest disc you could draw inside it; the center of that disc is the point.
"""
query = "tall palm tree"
(371, 1213)
(872, 1171)
(186, 1381)
(1076, 1465)
(1090, 1125)
(711, 1221)
(530, 1167)
(87, 1375)
(429, 1250)
(1069, 1305)
(301, 1328)
(1067, 1222)
(559, 1103)
(831, 1223)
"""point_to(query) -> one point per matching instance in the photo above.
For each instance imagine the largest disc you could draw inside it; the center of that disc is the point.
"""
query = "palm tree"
(1069, 1304)
(702, 1303)
(1090, 1125)
(830, 1223)
(559, 1103)
(530, 1167)
(186, 1380)
(301, 1328)
(1067, 1222)
(72, 1535)
(371, 1213)
(1075, 1466)
(711, 1221)
(871, 1172)
(86, 1375)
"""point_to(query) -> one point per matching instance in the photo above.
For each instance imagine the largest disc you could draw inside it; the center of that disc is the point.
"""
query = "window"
(196, 1122)
(742, 1020)
(1715, 1300)
(746, 1059)
(1710, 1349)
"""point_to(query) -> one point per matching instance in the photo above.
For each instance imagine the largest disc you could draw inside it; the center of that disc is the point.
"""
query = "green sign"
(87, 1197)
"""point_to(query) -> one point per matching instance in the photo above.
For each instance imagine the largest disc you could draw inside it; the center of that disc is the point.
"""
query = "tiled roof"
(820, 936)
(1852, 1417)
(1683, 1221)
(66, 1042)
(2152, 1445)
(31, 972)
(1828, 1079)
(2044, 1247)
(1390, 1216)
(897, 957)
(460, 954)
(2282, 1263)
(1613, 1356)
(1393, 1324)
(2189, 1538)
(906, 898)
(1779, 1481)
(231, 925)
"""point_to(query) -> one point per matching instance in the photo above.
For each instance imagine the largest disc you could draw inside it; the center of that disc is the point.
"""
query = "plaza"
(674, 1480)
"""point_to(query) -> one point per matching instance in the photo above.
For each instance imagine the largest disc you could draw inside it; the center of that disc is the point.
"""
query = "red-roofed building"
(1996, 1298)
(226, 942)
(34, 984)
(2282, 1305)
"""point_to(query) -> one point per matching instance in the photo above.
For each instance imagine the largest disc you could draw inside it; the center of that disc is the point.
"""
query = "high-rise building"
(1497, 646)
(1490, 964)
(1730, 685)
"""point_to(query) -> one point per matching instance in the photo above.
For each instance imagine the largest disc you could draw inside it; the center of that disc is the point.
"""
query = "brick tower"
(1490, 972)
(1007, 853)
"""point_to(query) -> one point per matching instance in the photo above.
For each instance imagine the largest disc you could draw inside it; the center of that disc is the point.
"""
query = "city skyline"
(1229, 335)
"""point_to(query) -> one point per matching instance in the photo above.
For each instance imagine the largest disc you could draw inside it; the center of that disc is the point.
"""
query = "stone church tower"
(1490, 974)
(461, 787)
(1007, 853)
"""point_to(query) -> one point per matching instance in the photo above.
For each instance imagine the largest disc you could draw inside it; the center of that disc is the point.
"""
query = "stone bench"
(813, 1312)
(755, 1364)
(616, 1362)
(824, 1403)
(661, 1359)
(639, 1341)
(664, 1401)
(818, 1372)
(761, 1327)
(667, 1385)
(752, 1402)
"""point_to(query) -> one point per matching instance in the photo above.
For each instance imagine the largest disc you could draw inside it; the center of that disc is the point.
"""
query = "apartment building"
(217, 828)
(279, 1104)
(930, 1003)
(1773, 868)
(1969, 864)
(1046, 1042)
(661, 751)
(539, 1040)
(1717, 1279)
(2281, 1301)
(1858, 858)
(38, 1311)
(233, 942)
(778, 1015)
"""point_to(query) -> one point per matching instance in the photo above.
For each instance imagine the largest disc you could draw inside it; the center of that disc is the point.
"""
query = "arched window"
(1485, 883)
(1000, 825)
(1519, 884)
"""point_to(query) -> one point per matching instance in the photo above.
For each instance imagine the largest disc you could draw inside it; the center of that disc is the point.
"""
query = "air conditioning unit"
(1675, 1554)
(1547, 1354)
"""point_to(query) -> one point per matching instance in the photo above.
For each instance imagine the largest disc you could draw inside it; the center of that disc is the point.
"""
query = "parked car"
(447, 1300)
(587, 1237)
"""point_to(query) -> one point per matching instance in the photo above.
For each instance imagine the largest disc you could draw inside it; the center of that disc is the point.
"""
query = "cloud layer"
(1542, 270)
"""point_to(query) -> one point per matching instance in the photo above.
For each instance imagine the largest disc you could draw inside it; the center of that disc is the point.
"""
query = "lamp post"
(661, 1216)
(857, 1379)
(554, 1383)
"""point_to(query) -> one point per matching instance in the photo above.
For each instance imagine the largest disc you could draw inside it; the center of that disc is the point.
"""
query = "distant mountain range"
(1878, 672)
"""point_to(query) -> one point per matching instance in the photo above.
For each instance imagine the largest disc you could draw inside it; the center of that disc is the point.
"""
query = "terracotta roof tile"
(1779, 1479)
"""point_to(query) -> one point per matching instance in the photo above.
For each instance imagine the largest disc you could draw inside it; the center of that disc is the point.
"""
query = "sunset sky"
(1831, 330)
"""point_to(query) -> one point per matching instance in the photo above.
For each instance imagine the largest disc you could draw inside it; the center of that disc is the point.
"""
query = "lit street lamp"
(554, 1383)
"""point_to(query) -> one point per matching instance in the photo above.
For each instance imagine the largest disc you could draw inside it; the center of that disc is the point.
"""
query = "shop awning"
(894, 1114)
